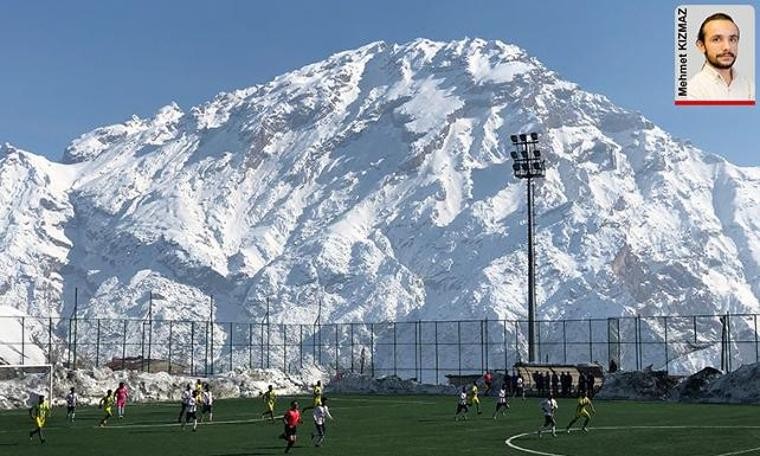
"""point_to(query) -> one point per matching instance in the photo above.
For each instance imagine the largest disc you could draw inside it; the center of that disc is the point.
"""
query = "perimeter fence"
(424, 350)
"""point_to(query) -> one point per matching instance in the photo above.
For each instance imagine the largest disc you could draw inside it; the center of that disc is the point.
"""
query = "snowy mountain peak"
(378, 181)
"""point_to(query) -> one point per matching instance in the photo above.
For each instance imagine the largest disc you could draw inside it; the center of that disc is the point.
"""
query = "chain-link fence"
(425, 350)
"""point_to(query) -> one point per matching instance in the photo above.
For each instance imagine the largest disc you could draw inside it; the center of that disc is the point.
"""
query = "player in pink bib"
(122, 393)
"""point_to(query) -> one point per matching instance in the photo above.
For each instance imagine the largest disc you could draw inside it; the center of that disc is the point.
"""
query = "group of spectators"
(561, 384)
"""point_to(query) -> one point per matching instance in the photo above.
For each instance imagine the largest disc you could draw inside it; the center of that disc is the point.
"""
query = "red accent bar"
(715, 102)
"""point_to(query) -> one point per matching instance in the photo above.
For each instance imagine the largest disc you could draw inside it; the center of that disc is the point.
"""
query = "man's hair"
(714, 17)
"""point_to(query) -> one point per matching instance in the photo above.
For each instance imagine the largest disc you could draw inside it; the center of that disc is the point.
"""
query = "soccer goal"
(34, 379)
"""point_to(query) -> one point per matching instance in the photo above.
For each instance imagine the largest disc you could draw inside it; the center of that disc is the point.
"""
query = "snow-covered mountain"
(379, 182)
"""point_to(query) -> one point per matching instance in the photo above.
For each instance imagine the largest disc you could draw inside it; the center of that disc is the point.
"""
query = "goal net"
(22, 385)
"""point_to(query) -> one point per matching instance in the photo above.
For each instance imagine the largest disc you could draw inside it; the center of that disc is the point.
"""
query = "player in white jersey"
(208, 403)
(549, 407)
(191, 409)
(520, 387)
(321, 413)
(71, 404)
(462, 407)
(183, 397)
(501, 402)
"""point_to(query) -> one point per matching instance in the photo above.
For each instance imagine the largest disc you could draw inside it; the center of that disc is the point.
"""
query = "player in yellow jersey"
(39, 414)
(472, 397)
(106, 403)
(316, 396)
(584, 409)
(270, 400)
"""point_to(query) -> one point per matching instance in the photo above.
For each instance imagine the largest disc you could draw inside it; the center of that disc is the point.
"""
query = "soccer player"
(321, 412)
(71, 404)
(584, 409)
(39, 414)
(462, 405)
(291, 419)
(317, 396)
(183, 398)
(270, 400)
(121, 399)
(501, 403)
(198, 387)
(191, 411)
(549, 407)
(106, 403)
(520, 387)
(208, 403)
(472, 398)
(488, 380)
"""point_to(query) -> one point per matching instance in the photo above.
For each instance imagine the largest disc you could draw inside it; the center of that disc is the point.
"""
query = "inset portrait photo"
(715, 55)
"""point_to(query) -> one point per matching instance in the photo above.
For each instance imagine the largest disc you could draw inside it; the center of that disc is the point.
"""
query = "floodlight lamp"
(537, 153)
(516, 167)
(538, 165)
(525, 167)
(524, 154)
(514, 155)
(513, 138)
(534, 136)
(523, 137)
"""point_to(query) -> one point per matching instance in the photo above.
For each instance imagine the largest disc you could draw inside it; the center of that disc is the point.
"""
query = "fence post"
(417, 350)
(395, 342)
(667, 361)
(436, 354)
(142, 346)
(97, 345)
(756, 353)
(211, 330)
(372, 346)
(486, 339)
(205, 348)
(337, 351)
(261, 345)
(23, 336)
(250, 346)
(192, 348)
(50, 339)
(459, 346)
(504, 340)
(171, 333)
(124, 344)
(538, 339)
(285, 348)
(517, 342)
(694, 323)
(300, 345)
(564, 341)
(231, 340)
(352, 347)
(590, 342)
(636, 341)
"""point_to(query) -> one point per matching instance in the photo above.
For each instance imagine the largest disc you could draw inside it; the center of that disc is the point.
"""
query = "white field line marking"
(509, 443)
(205, 423)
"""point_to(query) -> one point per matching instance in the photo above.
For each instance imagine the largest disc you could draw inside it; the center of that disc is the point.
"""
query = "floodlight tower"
(529, 164)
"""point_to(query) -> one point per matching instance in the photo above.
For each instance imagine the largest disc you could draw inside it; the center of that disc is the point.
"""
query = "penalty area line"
(514, 446)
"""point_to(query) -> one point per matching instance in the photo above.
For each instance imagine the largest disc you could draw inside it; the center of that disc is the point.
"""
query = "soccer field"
(398, 425)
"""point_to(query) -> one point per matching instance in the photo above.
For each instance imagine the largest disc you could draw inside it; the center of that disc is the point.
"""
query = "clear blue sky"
(67, 67)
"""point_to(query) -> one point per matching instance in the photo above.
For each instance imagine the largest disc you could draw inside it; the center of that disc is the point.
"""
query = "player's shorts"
(317, 401)
(583, 414)
(290, 431)
(474, 400)
(500, 405)
(71, 409)
(549, 421)
(270, 407)
(39, 422)
(121, 403)
(320, 429)
(190, 416)
(208, 408)
(109, 411)
(461, 408)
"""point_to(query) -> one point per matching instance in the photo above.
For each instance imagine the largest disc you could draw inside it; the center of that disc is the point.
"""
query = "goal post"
(35, 379)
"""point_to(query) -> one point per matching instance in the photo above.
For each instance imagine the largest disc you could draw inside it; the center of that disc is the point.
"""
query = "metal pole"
(23, 336)
(564, 341)
(372, 346)
(261, 346)
(285, 348)
(337, 351)
(531, 279)
(142, 345)
(206, 328)
(150, 328)
(590, 342)
(352, 347)
(231, 341)
(636, 340)
(459, 346)
(756, 351)
(482, 357)
(76, 323)
(171, 333)
(211, 330)
(269, 336)
(504, 340)
(97, 346)
(300, 345)
(436, 353)
(417, 350)
(694, 323)
(50, 339)
(517, 342)
(486, 340)
(395, 367)
(250, 346)
(667, 361)
(124, 345)
(192, 348)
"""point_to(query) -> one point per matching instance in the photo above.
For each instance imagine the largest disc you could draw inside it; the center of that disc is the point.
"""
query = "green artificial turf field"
(397, 425)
